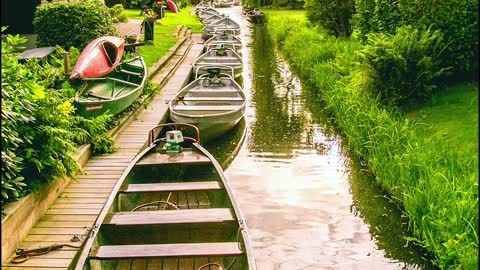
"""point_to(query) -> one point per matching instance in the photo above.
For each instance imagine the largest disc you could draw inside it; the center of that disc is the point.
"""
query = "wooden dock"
(77, 208)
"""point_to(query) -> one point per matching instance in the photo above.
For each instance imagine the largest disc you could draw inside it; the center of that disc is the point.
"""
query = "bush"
(111, 3)
(117, 13)
(406, 65)
(436, 187)
(72, 23)
(42, 130)
(334, 16)
(456, 19)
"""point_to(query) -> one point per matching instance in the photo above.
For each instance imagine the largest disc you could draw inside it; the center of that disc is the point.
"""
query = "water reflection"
(302, 203)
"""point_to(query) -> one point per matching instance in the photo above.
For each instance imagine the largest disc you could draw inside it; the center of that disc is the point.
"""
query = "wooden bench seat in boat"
(206, 108)
(217, 91)
(185, 157)
(187, 216)
(167, 187)
(212, 98)
(166, 250)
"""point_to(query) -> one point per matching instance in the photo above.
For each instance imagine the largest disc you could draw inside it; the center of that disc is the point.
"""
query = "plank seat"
(185, 157)
(131, 72)
(167, 187)
(166, 250)
(187, 216)
(206, 107)
(216, 91)
(213, 99)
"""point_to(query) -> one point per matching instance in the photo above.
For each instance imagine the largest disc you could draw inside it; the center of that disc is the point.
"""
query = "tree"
(333, 15)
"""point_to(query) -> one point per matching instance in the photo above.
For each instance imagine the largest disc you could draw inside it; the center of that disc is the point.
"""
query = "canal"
(307, 204)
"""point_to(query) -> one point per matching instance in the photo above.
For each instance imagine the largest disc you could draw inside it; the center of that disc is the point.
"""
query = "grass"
(452, 118)
(164, 29)
(426, 161)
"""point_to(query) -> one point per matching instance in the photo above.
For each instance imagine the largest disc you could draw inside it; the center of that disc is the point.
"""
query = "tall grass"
(434, 185)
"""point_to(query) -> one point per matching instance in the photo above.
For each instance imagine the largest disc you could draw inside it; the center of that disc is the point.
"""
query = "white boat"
(220, 56)
(223, 3)
(223, 44)
(223, 37)
(207, 12)
(202, 5)
(213, 102)
(218, 26)
(213, 18)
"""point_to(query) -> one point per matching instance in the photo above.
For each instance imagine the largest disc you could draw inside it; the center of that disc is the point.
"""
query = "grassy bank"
(164, 29)
(431, 178)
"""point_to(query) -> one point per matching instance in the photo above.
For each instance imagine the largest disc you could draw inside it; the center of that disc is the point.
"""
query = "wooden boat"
(214, 102)
(255, 16)
(207, 12)
(171, 5)
(213, 18)
(202, 5)
(99, 58)
(224, 36)
(220, 56)
(172, 208)
(228, 45)
(218, 26)
(223, 3)
(114, 92)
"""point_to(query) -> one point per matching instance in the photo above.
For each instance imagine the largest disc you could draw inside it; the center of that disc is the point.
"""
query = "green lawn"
(164, 30)
(452, 118)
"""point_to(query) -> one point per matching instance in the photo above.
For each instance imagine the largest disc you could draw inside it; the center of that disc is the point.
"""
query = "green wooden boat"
(113, 93)
(171, 209)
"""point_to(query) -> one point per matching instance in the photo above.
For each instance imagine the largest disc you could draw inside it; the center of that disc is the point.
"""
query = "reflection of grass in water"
(226, 147)
(387, 224)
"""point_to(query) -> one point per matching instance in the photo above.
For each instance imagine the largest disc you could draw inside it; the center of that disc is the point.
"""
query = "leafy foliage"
(41, 130)
(73, 23)
(117, 13)
(332, 15)
(456, 19)
(291, 4)
(405, 65)
(435, 185)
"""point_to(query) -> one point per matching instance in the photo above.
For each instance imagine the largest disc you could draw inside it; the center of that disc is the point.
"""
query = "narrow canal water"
(306, 203)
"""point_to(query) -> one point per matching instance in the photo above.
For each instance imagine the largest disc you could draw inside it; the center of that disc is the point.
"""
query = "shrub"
(435, 185)
(42, 130)
(334, 16)
(406, 65)
(111, 3)
(73, 23)
(117, 13)
(456, 19)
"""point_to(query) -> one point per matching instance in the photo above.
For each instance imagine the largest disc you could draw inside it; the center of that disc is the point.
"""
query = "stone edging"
(24, 213)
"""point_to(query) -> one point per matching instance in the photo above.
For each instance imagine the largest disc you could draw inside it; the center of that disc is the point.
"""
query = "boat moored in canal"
(171, 209)
(207, 12)
(99, 58)
(226, 23)
(220, 55)
(112, 93)
(221, 37)
(223, 3)
(213, 18)
(214, 102)
(255, 16)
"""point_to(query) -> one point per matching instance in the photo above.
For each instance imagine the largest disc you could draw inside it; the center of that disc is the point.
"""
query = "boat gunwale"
(114, 99)
(238, 213)
(188, 87)
(83, 256)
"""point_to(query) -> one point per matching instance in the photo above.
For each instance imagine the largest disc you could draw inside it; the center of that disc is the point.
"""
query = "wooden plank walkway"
(76, 209)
